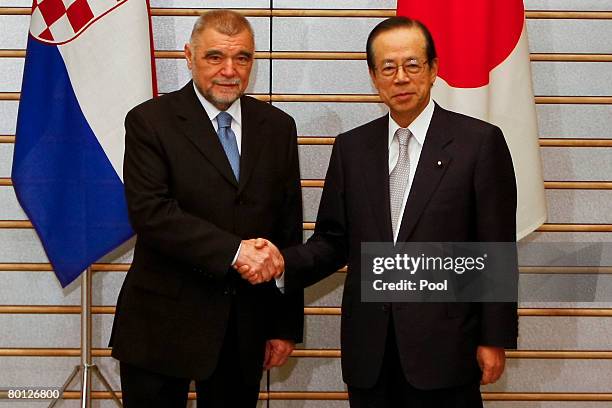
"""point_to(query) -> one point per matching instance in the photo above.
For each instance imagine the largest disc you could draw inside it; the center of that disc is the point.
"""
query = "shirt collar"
(234, 110)
(419, 125)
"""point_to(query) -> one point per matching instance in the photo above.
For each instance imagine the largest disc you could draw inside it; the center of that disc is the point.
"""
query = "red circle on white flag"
(472, 36)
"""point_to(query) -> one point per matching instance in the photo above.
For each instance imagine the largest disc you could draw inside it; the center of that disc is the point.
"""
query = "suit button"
(385, 308)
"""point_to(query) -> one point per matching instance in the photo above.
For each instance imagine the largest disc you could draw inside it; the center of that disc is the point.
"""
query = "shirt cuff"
(280, 283)
(236, 256)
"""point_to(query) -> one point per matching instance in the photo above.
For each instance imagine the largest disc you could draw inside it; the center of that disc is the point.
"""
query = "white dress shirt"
(418, 128)
(235, 112)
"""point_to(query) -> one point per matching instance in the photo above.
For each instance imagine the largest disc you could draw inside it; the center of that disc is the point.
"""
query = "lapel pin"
(439, 163)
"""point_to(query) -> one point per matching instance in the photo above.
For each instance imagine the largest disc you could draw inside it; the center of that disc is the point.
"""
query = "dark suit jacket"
(470, 197)
(190, 215)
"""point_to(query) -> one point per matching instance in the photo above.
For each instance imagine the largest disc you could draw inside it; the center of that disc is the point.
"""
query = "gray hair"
(226, 22)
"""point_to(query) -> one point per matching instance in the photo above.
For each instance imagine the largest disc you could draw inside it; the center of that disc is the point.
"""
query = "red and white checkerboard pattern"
(58, 21)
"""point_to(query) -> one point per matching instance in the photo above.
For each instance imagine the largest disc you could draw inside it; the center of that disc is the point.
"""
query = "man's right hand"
(259, 261)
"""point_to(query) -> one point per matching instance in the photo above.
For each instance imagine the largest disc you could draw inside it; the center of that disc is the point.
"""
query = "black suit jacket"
(471, 196)
(190, 215)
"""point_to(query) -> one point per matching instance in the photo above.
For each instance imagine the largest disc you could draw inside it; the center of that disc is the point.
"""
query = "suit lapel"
(375, 166)
(433, 162)
(253, 139)
(199, 130)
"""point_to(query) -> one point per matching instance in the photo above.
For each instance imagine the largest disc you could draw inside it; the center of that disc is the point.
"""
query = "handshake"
(259, 261)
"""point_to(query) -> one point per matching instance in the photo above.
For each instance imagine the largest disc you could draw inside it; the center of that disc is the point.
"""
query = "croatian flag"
(484, 71)
(88, 62)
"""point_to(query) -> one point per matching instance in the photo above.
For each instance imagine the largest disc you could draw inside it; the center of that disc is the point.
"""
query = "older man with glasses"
(418, 174)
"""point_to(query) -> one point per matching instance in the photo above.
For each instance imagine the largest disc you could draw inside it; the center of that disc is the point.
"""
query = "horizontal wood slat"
(550, 185)
(99, 395)
(46, 267)
(363, 98)
(370, 98)
(567, 57)
(546, 396)
(34, 309)
(322, 311)
(578, 185)
(575, 228)
(313, 183)
(372, 13)
(320, 353)
(528, 312)
(23, 224)
(26, 267)
(544, 142)
(487, 396)
(309, 311)
(575, 270)
(351, 56)
(559, 354)
(315, 140)
(51, 352)
(348, 55)
(578, 100)
(573, 15)
(551, 142)
(189, 12)
(565, 312)
(9, 96)
(124, 267)
(12, 53)
(309, 226)
(338, 396)
(322, 140)
(14, 96)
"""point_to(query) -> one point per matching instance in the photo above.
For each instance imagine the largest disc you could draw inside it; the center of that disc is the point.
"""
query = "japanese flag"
(484, 71)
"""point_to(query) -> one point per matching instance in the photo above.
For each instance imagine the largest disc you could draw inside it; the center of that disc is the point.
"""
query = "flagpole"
(86, 339)
(86, 368)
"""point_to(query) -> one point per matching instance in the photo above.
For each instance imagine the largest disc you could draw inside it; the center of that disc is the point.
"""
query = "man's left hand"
(492, 361)
(277, 352)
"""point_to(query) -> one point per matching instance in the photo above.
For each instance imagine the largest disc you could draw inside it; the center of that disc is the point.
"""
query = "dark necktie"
(228, 141)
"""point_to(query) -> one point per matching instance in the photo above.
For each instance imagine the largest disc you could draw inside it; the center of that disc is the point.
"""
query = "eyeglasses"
(410, 67)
